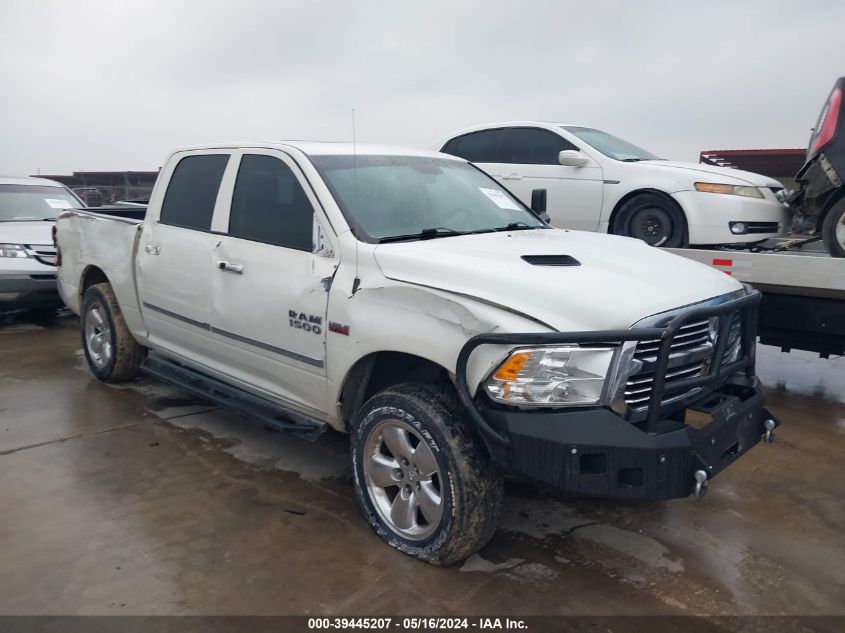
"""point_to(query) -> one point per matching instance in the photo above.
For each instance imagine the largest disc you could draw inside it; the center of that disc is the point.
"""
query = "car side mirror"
(538, 204)
(572, 158)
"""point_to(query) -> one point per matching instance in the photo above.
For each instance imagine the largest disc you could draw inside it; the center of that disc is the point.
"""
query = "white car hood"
(39, 232)
(728, 175)
(619, 281)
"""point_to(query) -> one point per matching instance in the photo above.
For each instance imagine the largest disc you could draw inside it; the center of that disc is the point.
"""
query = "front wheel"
(423, 480)
(833, 230)
(112, 353)
(652, 218)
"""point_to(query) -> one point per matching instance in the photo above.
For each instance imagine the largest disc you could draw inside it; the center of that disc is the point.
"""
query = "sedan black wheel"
(652, 219)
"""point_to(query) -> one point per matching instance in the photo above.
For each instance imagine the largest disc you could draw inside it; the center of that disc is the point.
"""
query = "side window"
(270, 206)
(192, 191)
(533, 146)
(476, 147)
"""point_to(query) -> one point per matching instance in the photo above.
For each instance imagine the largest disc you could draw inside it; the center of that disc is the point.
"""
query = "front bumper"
(703, 423)
(34, 290)
(595, 452)
(709, 216)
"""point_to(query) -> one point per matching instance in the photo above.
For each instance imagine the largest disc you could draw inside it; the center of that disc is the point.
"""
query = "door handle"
(512, 177)
(228, 267)
(152, 249)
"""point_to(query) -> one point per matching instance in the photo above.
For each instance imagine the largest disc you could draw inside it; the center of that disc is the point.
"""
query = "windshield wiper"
(425, 234)
(516, 226)
(631, 160)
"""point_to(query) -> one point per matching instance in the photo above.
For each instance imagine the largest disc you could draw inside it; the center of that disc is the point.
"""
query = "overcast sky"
(111, 85)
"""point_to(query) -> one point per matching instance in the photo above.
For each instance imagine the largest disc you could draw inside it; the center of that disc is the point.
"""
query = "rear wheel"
(112, 354)
(833, 229)
(423, 480)
(653, 219)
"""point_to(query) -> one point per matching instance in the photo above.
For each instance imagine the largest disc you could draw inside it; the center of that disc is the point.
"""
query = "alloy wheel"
(403, 479)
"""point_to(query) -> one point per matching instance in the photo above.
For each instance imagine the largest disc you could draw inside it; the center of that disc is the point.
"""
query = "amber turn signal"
(510, 368)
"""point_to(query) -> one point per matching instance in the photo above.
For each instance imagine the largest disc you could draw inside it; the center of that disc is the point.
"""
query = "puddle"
(633, 544)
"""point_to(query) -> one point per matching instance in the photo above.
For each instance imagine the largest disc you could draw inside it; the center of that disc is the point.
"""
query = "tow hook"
(701, 483)
(769, 435)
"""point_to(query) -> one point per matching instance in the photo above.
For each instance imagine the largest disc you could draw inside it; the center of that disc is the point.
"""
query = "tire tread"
(479, 493)
(128, 354)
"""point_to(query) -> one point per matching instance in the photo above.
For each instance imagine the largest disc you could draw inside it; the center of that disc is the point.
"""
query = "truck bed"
(106, 239)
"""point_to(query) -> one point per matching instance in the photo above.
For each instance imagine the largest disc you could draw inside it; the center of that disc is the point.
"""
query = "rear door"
(176, 256)
(481, 148)
(269, 291)
(530, 161)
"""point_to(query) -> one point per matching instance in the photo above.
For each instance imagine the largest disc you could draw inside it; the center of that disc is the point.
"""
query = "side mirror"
(572, 158)
(538, 204)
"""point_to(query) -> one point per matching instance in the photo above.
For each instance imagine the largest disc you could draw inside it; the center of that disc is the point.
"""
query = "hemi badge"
(338, 328)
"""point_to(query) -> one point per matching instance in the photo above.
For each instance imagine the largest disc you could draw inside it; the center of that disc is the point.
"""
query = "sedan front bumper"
(709, 216)
(35, 290)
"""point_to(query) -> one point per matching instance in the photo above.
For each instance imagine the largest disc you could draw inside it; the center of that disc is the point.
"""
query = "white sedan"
(594, 181)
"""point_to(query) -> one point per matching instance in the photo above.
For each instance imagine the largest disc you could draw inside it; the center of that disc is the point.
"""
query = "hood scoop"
(551, 260)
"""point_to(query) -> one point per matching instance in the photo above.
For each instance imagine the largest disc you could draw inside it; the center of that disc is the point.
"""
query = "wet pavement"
(140, 499)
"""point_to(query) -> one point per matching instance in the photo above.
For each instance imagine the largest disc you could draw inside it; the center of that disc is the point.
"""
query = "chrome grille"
(690, 336)
(690, 356)
(44, 253)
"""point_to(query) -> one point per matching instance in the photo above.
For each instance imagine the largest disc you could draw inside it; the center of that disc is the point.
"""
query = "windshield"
(415, 197)
(610, 145)
(21, 203)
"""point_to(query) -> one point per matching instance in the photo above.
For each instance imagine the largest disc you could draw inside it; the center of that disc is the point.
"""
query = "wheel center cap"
(412, 476)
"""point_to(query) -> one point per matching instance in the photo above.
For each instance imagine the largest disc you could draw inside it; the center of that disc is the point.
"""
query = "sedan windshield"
(393, 198)
(609, 145)
(22, 203)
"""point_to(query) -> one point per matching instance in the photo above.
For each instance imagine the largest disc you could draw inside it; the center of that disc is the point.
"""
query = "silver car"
(28, 210)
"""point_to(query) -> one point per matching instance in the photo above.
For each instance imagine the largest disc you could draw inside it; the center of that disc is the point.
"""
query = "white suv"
(595, 181)
(28, 210)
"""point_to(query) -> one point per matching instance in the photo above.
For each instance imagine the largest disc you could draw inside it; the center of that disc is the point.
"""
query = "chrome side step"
(247, 404)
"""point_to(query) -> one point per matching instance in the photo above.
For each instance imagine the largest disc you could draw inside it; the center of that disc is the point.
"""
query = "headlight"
(552, 376)
(12, 250)
(736, 190)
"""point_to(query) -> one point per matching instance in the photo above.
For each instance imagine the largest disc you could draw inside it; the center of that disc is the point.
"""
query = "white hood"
(619, 281)
(39, 232)
(726, 175)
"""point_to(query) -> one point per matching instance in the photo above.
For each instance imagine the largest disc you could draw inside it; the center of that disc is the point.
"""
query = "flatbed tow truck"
(801, 276)
(803, 287)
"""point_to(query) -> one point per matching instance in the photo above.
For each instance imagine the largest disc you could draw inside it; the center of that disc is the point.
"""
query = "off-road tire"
(471, 490)
(666, 214)
(834, 218)
(127, 354)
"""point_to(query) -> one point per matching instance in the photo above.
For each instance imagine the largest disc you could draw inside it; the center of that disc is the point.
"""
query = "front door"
(481, 148)
(530, 161)
(269, 292)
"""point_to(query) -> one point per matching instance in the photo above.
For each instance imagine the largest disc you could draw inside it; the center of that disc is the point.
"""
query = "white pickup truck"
(408, 299)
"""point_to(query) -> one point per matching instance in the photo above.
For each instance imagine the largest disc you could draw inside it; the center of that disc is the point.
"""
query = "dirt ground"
(140, 499)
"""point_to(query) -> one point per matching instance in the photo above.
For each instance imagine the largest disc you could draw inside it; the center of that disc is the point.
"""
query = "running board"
(218, 392)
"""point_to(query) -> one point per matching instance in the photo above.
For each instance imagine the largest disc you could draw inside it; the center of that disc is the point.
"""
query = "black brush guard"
(595, 451)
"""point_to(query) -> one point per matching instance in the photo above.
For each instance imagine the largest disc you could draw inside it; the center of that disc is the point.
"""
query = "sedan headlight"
(736, 190)
(12, 250)
(552, 376)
